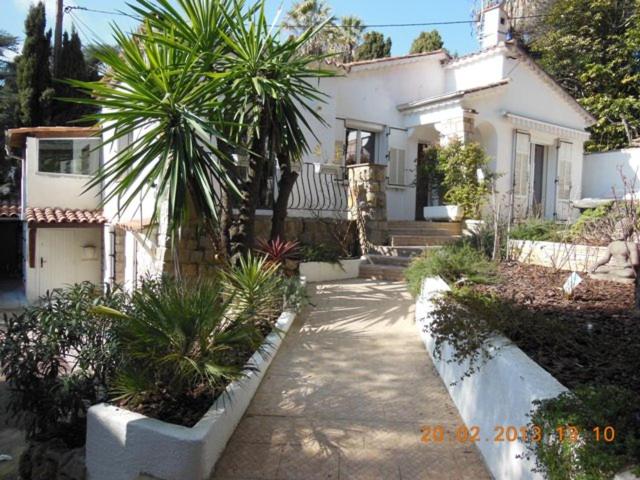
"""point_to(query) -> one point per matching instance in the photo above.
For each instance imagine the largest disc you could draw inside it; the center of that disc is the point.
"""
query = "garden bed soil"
(591, 338)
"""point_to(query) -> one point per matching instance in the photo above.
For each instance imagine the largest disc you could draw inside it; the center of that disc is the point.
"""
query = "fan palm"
(309, 14)
(348, 37)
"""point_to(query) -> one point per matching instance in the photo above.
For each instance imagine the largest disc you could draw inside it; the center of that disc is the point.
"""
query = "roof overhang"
(17, 137)
(449, 98)
(548, 127)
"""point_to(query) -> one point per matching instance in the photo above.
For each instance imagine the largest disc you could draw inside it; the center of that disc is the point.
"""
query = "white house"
(61, 225)
(385, 111)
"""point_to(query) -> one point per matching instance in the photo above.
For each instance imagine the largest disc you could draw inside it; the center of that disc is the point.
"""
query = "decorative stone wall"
(196, 253)
(119, 253)
(560, 256)
(310, 231)
(367, 191)
(461, 127)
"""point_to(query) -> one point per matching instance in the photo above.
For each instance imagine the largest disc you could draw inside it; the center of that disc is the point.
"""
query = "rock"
(52, 460)
(72, 465)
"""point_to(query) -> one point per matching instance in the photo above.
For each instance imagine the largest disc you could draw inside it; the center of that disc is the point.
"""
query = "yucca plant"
(178, 338)
(255, 286)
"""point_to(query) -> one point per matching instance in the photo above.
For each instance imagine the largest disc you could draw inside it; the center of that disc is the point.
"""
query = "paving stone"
(346, 396)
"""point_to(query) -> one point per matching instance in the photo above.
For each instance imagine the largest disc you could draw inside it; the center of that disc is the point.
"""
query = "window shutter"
(521, 172)
(339, 154)
(563, 187)
(565, 151)
(396, 166)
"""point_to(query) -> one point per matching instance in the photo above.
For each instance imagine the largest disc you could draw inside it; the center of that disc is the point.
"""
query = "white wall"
(55, 189)
(602, 173)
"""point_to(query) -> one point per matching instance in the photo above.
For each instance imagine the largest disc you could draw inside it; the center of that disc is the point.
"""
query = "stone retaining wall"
(561, 256)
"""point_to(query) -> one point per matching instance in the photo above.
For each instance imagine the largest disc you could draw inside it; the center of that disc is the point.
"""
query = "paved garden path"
(346, 396)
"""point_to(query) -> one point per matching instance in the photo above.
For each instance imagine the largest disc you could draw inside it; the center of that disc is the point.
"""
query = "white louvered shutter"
(521, 173)
(397, 166)
(563, 195)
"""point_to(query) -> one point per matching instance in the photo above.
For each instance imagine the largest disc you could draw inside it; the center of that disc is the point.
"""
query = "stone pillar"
(368, 190)
(460, 127)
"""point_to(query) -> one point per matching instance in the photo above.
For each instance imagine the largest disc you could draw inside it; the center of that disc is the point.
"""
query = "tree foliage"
(72, 66)
(591, 48)
(34, 70)
(9, 169)
(204, 70)
(336, 39)
(374, 46)
(427, 42)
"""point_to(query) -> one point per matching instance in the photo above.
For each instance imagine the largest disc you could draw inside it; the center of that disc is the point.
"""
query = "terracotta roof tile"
(63, 215)
(9, 210)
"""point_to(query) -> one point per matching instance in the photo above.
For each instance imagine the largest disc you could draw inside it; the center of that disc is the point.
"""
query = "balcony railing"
(320, 187)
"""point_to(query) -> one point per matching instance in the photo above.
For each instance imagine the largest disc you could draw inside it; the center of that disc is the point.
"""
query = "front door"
(62, 259)
(428, 180)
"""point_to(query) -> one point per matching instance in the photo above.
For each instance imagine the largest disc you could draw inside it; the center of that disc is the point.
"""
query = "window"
(77, 157)
(361, 147)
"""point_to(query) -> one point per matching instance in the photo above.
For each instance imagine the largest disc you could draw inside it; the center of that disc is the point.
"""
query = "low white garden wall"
(329, 272)
(121, 444)
(561, 256)
(499, 394)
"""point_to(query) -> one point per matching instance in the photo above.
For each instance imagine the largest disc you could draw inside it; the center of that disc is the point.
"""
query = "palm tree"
(306, 14)
(271, 88)
(348, 36)
(155, 88)
(200, 80)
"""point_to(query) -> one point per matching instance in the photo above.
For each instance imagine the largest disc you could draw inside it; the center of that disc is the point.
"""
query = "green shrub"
(595, 224)
(537, 229)
(320, 253)
(589, 458)
(255, 286)
(458, 164)
(58, 359)
(179, 338)
(452, 263)
(467, 320)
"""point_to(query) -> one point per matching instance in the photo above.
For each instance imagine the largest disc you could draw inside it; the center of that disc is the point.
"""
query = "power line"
(69, 8)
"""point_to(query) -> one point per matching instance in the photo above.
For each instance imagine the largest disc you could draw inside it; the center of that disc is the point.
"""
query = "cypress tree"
(72, 66)
(34, 70)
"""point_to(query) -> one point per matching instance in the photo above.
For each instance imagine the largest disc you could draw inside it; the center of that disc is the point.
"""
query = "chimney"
(495, 25)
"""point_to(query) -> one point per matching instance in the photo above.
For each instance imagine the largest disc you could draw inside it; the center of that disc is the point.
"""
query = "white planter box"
(500, 394)
(328, 272)
(121, 444)
(451, 213)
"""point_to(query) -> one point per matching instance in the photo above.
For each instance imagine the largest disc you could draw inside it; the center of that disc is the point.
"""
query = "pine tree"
(72, 66)
(34, 70)
(427, 42)
(374, 46)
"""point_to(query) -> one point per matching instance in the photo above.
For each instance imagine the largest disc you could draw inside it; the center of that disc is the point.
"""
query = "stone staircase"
(408, 239)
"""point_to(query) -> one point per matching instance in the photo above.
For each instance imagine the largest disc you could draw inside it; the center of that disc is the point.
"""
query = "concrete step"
(407, 250)
(453, 227)
(428, 231)
(390, 260)
(423, 240)
(391, 273)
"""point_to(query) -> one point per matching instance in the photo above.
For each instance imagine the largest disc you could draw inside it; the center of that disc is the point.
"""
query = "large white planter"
(121, 444)
(329, 272)
(452, 213)
(499, 394)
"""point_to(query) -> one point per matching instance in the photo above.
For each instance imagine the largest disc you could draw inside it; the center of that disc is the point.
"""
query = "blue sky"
(457, 38)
